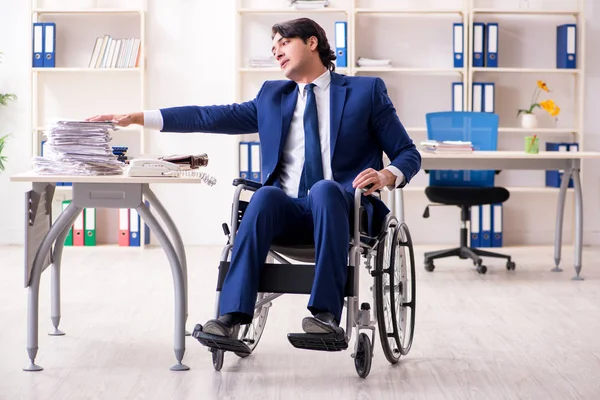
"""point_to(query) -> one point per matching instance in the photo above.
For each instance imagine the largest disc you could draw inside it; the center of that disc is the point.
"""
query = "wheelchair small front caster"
(510, 265)
(429, 267)
(482, 269)
(217, 358)
(364, 355)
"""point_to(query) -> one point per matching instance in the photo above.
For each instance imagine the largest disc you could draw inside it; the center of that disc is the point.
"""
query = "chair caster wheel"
(482, 269)
(429, 267)
(510, 265)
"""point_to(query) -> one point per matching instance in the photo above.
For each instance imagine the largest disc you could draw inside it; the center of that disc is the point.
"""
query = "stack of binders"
(44, 43)
(554, 178)
(83, 230)
(129, 228)
(485, 44)
(486, 225)
(250, 161)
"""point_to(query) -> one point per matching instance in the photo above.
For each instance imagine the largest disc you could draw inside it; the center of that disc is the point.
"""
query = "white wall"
(189, 44)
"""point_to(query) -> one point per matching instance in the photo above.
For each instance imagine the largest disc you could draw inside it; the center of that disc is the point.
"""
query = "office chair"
(464, 189)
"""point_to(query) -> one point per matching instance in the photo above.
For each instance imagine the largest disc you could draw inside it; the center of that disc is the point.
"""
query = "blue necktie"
(313, 164)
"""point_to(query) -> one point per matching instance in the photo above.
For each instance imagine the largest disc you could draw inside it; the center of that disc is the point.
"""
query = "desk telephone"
(160, 167)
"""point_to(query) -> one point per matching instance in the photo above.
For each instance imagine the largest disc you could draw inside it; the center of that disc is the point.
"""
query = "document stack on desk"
(308, 4)
(78, 148)
(262, 62)
(373, 62)
(448, 146)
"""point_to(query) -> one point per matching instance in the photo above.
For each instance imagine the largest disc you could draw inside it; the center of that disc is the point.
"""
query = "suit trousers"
(323, 218)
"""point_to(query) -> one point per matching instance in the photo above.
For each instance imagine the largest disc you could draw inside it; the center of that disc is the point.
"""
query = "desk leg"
(578, 223)
(66, 219)
(55, 282)
(177, 283)
(179, 248)
(560, 211)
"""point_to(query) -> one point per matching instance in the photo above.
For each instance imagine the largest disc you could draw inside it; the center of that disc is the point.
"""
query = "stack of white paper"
(447, 146)
(373, 62)
(308, 4)
(78, 148)
(263, 62)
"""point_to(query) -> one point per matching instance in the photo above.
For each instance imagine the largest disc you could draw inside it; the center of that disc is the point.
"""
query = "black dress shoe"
(321, 323)
(218, 327)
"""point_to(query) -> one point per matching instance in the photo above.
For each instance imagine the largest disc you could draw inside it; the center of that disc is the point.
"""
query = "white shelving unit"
(73, 90)
(367, 19)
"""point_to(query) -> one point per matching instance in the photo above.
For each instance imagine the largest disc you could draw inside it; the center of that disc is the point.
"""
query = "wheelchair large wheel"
(250, 334)
(395, 292)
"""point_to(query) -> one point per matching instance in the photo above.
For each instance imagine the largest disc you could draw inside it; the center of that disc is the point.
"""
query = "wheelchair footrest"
(318, 341)
(221, 342)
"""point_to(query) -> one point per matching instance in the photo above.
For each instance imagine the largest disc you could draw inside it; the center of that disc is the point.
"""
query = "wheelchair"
(394, 291)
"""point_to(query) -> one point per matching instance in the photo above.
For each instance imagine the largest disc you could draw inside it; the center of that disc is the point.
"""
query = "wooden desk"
(570, 162)
(41, 236)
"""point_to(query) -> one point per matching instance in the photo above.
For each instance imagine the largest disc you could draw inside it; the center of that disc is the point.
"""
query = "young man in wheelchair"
(322, 136)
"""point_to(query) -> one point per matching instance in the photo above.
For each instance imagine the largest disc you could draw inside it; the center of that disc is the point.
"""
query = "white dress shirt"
(293, 151)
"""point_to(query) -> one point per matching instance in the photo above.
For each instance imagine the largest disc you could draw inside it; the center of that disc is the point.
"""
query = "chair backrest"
(479, 128)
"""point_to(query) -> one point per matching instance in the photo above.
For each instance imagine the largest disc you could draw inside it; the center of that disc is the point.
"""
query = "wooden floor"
(527, 334)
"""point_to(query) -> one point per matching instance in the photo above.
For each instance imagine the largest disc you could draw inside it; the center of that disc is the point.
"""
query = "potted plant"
(4, 100)
(529, 119)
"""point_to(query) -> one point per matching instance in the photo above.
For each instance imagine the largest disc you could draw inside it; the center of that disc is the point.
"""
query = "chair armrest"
(250, 185)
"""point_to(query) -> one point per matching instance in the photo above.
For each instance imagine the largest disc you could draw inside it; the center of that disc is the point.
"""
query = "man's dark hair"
(304, 28)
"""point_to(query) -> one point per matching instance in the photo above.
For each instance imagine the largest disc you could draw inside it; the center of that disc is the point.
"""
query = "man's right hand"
(119, 119)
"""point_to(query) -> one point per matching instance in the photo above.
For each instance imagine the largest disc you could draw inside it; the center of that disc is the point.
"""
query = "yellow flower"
(549, 106)
(542, 85)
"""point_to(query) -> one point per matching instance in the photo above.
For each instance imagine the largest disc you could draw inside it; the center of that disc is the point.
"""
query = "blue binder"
(38, 45)
(478, 43)
(341, 44)
(489, 102)
(458, 95)
(244, 160)
(458, 39)
(49, 44)
(492, 45)
(255, 162)
(134, 228)
(475, 226)
(497, 224)
(566, 46)
(477, 98)
(486, 225)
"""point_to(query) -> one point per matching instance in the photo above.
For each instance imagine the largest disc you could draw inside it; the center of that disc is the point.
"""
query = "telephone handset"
(158, 167)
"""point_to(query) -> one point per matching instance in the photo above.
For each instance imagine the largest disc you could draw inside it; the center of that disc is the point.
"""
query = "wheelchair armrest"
(251, 185)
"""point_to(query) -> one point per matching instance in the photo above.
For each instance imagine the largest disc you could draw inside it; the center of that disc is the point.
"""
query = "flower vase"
(529, 121)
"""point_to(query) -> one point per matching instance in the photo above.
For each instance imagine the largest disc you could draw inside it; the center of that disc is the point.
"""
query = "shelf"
(524, 11)
(341, 70)
(528, 70)
(540, 131)
(433, 71)
(416, 129)
(260, 69)
(409, 12)
(88, 11)
(85, 69)
(326, 10)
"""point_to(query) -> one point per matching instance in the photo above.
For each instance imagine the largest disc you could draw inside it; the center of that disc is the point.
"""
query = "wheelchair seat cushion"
(469, 196)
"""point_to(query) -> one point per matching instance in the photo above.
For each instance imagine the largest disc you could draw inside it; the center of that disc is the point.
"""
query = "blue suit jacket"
(363, 125)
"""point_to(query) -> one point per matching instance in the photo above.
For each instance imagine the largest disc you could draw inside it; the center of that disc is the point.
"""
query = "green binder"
(90, 227)
(69, 238)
